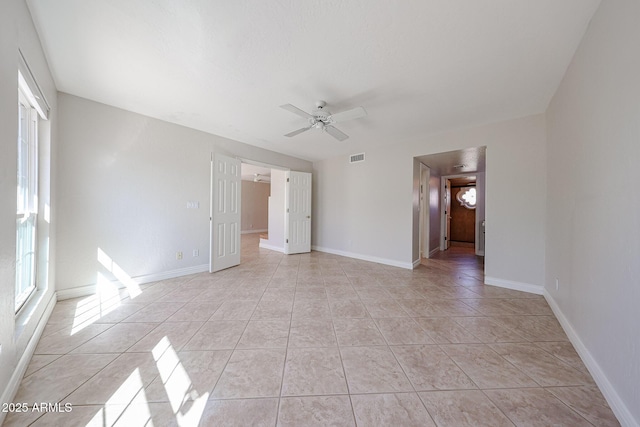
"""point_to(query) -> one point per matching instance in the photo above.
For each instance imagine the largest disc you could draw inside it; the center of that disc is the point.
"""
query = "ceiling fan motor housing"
(320, 114)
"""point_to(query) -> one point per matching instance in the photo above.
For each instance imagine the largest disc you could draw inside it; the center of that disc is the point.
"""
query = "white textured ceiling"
(224, 67)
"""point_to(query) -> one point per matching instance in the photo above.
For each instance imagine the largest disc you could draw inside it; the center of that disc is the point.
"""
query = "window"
(467, 197)
(32, 107)
(27, 198)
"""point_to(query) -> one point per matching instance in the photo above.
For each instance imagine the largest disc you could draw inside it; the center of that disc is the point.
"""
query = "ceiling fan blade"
(299, 131)
(354, 113)
(297, 111)
(336, 133)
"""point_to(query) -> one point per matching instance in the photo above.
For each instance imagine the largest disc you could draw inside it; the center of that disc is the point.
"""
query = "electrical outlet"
(178, 255)
(196, 252)
(557, 284)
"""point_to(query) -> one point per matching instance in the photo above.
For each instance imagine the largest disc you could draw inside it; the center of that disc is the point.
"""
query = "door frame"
(211, 190)
(267, 244)
(443, 216)
(425, 175)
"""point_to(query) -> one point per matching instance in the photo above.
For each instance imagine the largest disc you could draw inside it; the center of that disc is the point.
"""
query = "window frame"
(26, 195)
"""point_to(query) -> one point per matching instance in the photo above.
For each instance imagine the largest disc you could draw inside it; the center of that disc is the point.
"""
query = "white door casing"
(425, 173)
(224, 245)
(297, 213)
(447, 214)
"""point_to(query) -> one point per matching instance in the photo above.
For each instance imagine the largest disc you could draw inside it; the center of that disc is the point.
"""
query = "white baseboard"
(83, 291)
(179, 272)
(434, 252)
(385, 261)
(264, 230)
(516, 286)
(618, 407)
(11, 388)
(271, 247)
(416, 263)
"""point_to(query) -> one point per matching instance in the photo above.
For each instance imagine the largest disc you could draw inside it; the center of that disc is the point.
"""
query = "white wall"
(125, 180)
(480, 210)
(415, 226)
(276, 212)
(435, 224)
(255, 206)
(593, 220)
(367, 209)
(18, 335)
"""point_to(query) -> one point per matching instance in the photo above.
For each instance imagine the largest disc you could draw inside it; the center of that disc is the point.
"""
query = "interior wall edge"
(254, 231)
(87, 290)
(433, 252)
(614, 400)
(385, 261)
(516, 286)
(272, 247)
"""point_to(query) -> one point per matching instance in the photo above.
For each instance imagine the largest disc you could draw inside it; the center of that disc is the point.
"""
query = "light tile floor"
(312, 339)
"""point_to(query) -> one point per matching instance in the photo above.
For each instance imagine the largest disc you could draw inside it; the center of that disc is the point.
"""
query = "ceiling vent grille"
(355, 158)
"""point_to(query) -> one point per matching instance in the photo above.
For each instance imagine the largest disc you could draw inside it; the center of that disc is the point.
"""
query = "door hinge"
(287, 210)
(287, 240)
(287, 179)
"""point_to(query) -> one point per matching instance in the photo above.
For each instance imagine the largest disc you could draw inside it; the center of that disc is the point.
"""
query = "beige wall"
(593, 225)
(19, 334)
(369, 210)
(434, 212)
(255, 206)
(138, 175)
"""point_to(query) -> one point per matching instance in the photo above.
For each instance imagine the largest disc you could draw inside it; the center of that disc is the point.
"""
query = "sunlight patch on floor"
(107, 296)
(92, 308)
(178, 385)
(127, 405)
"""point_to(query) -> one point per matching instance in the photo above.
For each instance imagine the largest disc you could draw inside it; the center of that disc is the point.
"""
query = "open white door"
(297, 233)
(224, 246)
(446, 215)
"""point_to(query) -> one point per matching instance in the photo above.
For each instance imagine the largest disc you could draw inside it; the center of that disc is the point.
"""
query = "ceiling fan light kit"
(261, 178)
(323, 119)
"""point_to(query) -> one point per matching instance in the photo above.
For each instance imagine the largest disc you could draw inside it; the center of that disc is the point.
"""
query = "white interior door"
(446, 214)
(297, 233)
(224, 247)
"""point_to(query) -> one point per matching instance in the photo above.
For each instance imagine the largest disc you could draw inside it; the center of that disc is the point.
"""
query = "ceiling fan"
(323, 119)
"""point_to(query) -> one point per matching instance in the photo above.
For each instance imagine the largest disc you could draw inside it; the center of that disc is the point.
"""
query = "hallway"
(457, 260)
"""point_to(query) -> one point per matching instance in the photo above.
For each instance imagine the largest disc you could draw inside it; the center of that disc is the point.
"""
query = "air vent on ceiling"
(355, 158)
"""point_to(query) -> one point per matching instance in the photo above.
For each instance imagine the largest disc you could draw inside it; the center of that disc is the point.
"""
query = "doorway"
(256, 190)
(430, 202)
(268, 183)
(461, 215)
(278, 208)
(463, 225)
